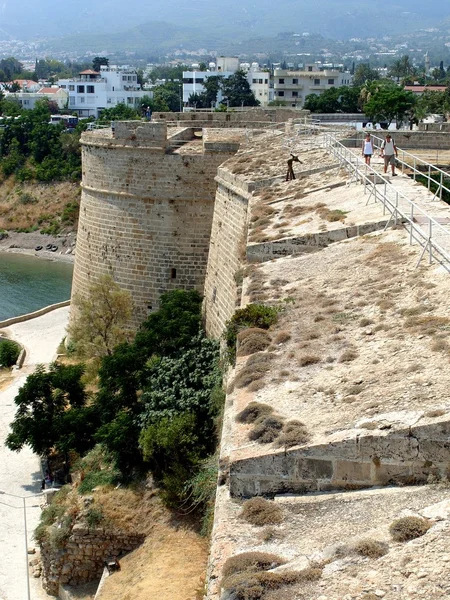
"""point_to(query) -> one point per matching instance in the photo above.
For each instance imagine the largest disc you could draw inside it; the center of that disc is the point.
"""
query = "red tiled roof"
(419, 89)
(48, 90)
(89, 72)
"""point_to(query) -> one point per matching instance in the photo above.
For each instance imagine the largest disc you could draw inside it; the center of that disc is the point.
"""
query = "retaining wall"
(405, 456)
(82, 558)
(408, 140)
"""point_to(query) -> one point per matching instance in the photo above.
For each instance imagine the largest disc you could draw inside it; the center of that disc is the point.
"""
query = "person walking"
(367, 149)
(389, 152)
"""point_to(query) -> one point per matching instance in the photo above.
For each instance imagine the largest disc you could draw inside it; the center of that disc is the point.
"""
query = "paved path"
(20, 473)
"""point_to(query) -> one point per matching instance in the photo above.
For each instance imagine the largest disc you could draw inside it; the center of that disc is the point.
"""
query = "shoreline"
(14, 242)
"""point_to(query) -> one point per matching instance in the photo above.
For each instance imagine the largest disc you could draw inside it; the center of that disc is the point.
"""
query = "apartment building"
(292, 87)
(92, 91)
(259, 81)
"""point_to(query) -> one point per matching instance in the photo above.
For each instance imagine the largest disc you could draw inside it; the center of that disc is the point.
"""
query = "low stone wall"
(33, 315)
(407, 456)
(82, 558)
(308, 243)
(408, 140)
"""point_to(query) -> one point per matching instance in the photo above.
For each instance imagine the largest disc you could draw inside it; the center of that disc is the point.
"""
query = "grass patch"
(371, 548)
(266, 429)
(282, 337)
(294, 433)
(253, 411)
(408, 528)
(258, 511)
(308, 359)
(249, 374)
(348, 356)
(252, 340)
(260, 316)
(251, 561)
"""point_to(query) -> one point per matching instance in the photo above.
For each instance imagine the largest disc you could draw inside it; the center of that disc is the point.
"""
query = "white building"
(259, 81)
(91, 92)
(28, 99)
(292, 87)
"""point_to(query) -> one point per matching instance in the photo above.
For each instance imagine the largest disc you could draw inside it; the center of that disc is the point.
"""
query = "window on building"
(63, 87)
(80, 89)
(124, 77)
(295, 81)
(254, 81)
(188, 80)
(316, 81)
(71, 88)
(331, 82)
(199, 80)
(295, 94)
(281, 80)
(130, 78)
(129, 100)
(266, 81)
(26, 102)
(281, 93)
(259, 80)
(90, 89)
(81, 99)
(72, 100)
(310, 69)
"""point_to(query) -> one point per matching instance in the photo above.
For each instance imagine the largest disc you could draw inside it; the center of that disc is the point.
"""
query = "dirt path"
(170, 565)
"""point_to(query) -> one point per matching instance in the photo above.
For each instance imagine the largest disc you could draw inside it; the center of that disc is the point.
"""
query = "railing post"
(440, 185)
(414, 174)
(429, 177)
(403, 161)
(411, 225)
(429, 242)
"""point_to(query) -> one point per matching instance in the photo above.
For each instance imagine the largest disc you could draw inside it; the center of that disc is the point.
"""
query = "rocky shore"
(59, 247)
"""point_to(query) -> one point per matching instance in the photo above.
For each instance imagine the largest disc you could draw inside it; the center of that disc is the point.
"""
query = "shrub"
(294, 433)
(94, 516)
(260, 358)
(252, 340)
(253, 315)
(408, 528)
(253, 411)
(266, 429)
(371, 548)
(308, 359)
(250, 373)
(258, 511)
(9, 353)
(282, 337)
(251, 561)
(348, 356)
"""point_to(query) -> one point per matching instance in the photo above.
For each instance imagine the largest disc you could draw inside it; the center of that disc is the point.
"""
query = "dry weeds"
(258, 511)
(253, 411)
(408, 528)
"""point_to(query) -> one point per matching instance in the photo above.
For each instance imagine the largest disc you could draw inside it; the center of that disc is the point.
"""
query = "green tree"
(120, 112)
(167, 97)
(9, 353)
(236, 91)
(98, 61)
(363, 73)
(390, 103)
(42, 403)
(401, 68)
(102, 319)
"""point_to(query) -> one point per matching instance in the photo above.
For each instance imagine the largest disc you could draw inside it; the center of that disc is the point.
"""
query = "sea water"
(28, 283)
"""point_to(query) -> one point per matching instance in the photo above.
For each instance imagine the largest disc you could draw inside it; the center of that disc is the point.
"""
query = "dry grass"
(427, 324)
(252, 340)
(438, 412)
(439, 345)
(260, 512)
(266, 429)
(365, 322)
(408, 528)
(371, 548)
(249, 374)
(308, 359)
(294, 433)
(253, 411)
(348, 355)
(251, 561)
(281, 337)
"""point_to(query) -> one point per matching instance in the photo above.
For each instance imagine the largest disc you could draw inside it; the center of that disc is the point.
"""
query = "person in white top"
(367, 149)
(389, 152)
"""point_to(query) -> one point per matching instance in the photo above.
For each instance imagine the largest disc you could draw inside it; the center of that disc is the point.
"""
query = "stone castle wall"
(227, 251)
(146, 210)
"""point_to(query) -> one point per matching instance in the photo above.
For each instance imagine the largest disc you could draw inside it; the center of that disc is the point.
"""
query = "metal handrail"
(413, 167)
(394, 201)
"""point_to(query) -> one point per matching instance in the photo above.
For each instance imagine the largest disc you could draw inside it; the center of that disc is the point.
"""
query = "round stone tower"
(146, 210)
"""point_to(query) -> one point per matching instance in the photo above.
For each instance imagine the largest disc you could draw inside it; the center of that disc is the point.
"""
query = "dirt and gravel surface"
(20, 473)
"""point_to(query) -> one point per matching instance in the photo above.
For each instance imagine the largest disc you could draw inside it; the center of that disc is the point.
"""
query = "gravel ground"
(20, 473)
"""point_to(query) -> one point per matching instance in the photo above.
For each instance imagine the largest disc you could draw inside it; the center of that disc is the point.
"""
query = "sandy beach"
(20, 473)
